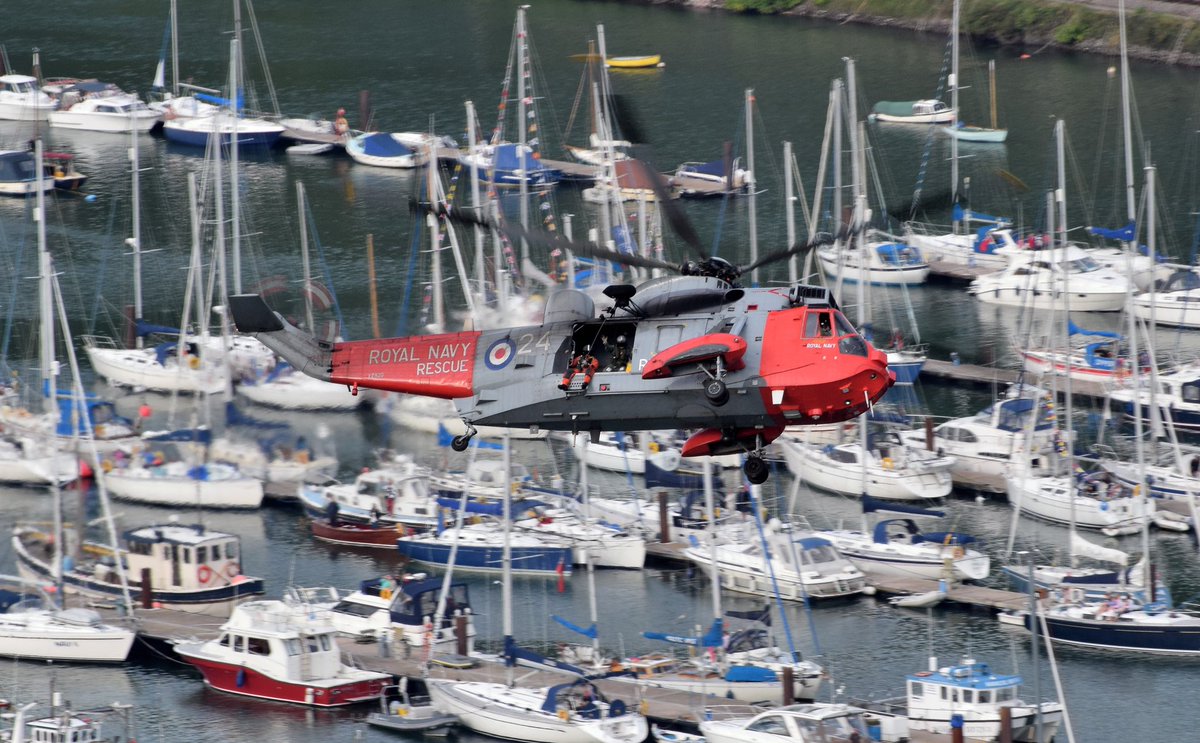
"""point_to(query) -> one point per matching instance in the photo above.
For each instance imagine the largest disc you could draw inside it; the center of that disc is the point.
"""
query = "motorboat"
(602, 544)
(275, 651)
(22, 100)
(190, 567)
(1177, 397)
(923, 111)
(386, 609)
(895, 470)
(1092, 501)
(181, 477)
(987, 445)
(386, 150)
(972, 692)
(34, 627)
(572, 712)
(284, 387)
(410, 714)
(396, 493)
(977, 248)
(19, 174)
(883, 260)
(790, 558)
(1173, 301)
(1040, 279)
(896, 547)
(719, 177)
(197, 131)
(480, 548)
(797, 723)
(101, 107)
(509, 164)
(163, 368)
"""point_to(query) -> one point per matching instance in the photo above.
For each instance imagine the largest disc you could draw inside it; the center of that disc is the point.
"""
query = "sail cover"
(1084, 548)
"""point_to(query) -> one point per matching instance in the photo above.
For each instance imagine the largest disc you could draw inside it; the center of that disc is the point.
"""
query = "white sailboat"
(36, 628)
(573, 712)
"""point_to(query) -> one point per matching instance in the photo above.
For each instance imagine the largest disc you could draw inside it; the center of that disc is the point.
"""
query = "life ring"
(923, 674)
(232, 569)
(887, 463)
(204, 574)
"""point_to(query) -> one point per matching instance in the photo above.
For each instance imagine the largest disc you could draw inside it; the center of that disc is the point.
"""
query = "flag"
(561, 569)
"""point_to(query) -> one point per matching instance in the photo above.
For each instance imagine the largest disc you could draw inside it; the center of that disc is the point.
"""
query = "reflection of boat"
(273, 650)
(970, 691)
(190, 567)
(635, 62)
(925, 111)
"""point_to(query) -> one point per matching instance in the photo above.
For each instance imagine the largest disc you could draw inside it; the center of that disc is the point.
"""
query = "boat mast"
(789, 208)
(174, 49)
(522, 68)
(45, 302)
(750, 184)
(135, 242)
(235, 88)
(954, 108)
(1126, 117)
(304, 265)
(510, 662)
(476, 230)
(1142, 490)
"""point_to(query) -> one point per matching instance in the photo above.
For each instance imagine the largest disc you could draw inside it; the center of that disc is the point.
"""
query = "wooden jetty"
(960, 593)
(990, 376)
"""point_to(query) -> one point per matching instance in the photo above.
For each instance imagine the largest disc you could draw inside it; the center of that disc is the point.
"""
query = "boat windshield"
(820, 554)
(1084, 264)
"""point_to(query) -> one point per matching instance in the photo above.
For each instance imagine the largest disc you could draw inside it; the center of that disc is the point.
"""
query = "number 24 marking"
(526, 343)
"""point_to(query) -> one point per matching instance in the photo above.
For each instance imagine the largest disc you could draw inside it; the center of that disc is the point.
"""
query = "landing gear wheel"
(460, 443)
(716, 392)
(756, 469)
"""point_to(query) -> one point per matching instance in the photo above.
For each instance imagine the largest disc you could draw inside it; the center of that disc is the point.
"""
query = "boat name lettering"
(403, 354)
(458, 366)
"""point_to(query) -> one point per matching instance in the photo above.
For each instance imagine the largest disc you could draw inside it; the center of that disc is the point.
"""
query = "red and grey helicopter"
(689, 351)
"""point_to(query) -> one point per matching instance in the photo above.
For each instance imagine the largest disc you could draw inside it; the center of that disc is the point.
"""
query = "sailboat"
(572, 712)
(959, 130)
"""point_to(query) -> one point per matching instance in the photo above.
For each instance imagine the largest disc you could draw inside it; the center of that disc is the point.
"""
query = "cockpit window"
(853, 345)
(843, 325)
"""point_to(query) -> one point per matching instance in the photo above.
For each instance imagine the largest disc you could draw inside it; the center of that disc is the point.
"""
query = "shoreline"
(1089, 26)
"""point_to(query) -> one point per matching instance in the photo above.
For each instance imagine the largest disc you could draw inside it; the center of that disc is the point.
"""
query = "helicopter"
(692, 351)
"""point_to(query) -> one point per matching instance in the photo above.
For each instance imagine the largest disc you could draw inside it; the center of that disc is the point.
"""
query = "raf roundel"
(500, 353)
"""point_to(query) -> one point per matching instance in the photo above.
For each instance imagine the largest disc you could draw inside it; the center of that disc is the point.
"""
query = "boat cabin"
(967, 688)
(72, 729)
(408, 607)
(17, 166)
(19, 85)
(183, 556)
(271, 633)
(801, 723)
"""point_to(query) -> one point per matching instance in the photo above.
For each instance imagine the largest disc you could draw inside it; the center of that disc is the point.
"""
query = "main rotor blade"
(547, 240)
(816, 241)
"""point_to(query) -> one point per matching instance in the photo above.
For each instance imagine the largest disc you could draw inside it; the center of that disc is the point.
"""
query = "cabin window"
(224, 640)
(818, 325)
(257, 646)
(1005, 695)
(231, 550)
(968, 696)
(202, 555)
(915, 689)
(186, 554)
(1191, 393)
(313, 644)
(945, 694)
(985, 696)
(773, 725)
(237, 643)
(292, 645)
(954, 694)
(325, 642)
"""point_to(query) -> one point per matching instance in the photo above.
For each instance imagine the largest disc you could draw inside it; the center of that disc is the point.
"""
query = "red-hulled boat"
(359, 535)
(272, 650)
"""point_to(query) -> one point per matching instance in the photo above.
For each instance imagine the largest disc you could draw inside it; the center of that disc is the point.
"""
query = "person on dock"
(341, 127)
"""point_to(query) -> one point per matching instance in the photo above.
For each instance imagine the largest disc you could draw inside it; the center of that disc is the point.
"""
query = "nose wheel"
(755, 467)
(460, 443)
(715, 389)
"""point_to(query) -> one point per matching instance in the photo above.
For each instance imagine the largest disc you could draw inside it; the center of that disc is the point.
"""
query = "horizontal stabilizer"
(299, 348)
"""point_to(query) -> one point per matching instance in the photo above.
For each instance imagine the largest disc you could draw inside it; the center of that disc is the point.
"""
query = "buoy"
(85, 470)
(144, 411)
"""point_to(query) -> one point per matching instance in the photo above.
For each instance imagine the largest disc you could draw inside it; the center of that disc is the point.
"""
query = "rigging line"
(929, 136)
(402, 327)
(326, 271)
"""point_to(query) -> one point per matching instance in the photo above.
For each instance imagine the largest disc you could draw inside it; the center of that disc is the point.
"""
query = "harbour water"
(421, 60)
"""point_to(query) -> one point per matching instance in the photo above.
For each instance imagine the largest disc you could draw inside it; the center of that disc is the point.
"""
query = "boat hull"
(99, 122)
(356, 535)
(247, 682)
(525, 560)
(82, 645)
(143, 486)
(140, 368)
(1120, 635)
